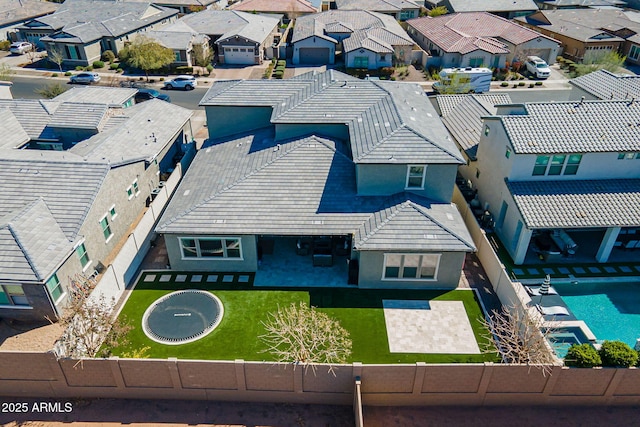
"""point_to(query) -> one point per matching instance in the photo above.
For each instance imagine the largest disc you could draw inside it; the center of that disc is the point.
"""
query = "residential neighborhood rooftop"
(572, 127)
(604, 84)
(492, 5)
(269, 6)
(111, 96)
(228, 23)
(380, 5)
(14, 11)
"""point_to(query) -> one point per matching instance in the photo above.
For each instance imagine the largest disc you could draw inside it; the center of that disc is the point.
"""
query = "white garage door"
(239, 55)
(314, 55)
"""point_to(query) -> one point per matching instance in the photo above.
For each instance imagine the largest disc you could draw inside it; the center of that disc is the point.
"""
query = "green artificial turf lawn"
(236, 337)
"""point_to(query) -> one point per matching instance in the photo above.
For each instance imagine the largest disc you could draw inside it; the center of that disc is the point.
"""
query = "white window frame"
(424, 175)
(107, 239)
(199, 256)
(409, 279)
(112, 212)
(130, 192)
(58, 286)
(86, 252)
(11, 302)
(136, 188)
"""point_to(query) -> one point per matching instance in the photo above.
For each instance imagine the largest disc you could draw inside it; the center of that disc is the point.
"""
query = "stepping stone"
(165, 278)
(243, 278)
(564, 270)
(227, 278)
(196, 278)
(533, 271)
(625, 269)
(212, 278)
(518, 272)
(549, 271)
(610, 270)
(594, 270)
(150, 278)
(181, 278)
(579, 270)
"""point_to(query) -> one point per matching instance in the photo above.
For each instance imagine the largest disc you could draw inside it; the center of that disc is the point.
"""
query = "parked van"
(464, 80)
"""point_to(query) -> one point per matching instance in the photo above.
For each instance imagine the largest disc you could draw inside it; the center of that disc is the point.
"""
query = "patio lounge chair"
(554, 310)
(535, 291)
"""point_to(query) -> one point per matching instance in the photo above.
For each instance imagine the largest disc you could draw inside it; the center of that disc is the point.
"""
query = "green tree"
(582, 356)
(51, 90)
(147, 55)
(6, 72)
(618, 354)
(601, 60)
(202, 55)
(437, 11)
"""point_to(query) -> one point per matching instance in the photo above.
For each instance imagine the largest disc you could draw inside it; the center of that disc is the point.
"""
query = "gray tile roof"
(111, 96)
(604, 84)
(349, 20)
(67, 184)
(149, 128)
(16, 11)
(577, 203)
(177, 40)
(72, 115)
(387, 121)
(492, 5)
(582, 24)
(464, 120)
(13, 135)
(297, 187)
(83, 21)
(33, 115)
(377, 5)
(379, 40)
(574, 127)
(172, 3)
(32, 244)
(229, 23)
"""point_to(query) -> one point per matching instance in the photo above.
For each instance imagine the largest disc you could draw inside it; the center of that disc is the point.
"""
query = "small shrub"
(98, 64)
(5, 44)
(392, 78)
(89, 68)
(79, 68)
(387, 71)
(282, 63)
(582, 356)
(538, 83)
(108, 56)
(209, 68)
(618, 354)
(278, 74)
(141, 78)
(161, 79)
(504, 84)
(152, 80)
(54, 75)
(119, 70)
(114, 66)
(68, 73)
(531, 84)
(521, 83)
(183, 69)
(515, 85)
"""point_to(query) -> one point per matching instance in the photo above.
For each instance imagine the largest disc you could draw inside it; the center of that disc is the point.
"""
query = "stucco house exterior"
(182, 43)
(237, 37)
(82, 29)
(399, 9)
(478, 39)
(337, 169)
(366, 39)
(562, 179)
(14, 13)
(64, 213)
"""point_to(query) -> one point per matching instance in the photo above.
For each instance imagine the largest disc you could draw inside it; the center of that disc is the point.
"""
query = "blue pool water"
(564, 338)
(611, 310)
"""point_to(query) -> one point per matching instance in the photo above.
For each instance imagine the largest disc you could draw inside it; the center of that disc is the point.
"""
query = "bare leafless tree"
(304, 336)
(520, 338)
(56, 55)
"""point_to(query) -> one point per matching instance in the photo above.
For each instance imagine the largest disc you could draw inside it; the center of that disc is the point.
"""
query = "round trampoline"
(182, 317)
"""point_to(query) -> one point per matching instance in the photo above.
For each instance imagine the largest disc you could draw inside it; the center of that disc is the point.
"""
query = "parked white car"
(181, 82)
(18, 48)
(538, 67)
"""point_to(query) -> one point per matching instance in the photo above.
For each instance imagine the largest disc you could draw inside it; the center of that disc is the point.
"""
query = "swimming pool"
(611, 310)
(563, 338)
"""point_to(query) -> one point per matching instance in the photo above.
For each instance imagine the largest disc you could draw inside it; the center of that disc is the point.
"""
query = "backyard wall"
(41, 375)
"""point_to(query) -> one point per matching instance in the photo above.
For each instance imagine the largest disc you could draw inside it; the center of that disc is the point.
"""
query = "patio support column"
(607, 244)
(522, 246)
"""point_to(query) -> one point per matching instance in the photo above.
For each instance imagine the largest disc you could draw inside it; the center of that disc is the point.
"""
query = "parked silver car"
(18, 48)
(85, 78)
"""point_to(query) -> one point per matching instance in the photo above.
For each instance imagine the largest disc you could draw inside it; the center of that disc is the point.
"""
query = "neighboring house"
(462, 116)
(239, 37)
(578, 4)
(603, 84)
(505, 8)
(334, 168)
(182, 43)
(479, 39)
(588, 32)
(65, 213)
(110, 96)
(82, 29)
(187, 6)
(292, 9)
(366, 39)
(399, 9)
(14, 13)
(562, 179)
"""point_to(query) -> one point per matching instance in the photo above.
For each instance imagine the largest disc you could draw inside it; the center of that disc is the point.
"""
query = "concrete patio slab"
(428, 327)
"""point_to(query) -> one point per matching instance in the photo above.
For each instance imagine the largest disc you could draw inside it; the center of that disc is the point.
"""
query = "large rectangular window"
(410, 266)
(415, 177)
(13, 295)
(541, 165)
(106, 228)
(55, 288)
(211, 247)
(557, 162)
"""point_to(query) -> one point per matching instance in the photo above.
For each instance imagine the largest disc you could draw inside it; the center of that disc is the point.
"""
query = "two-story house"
(562, 179)
(65, 213)
(344, 171)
